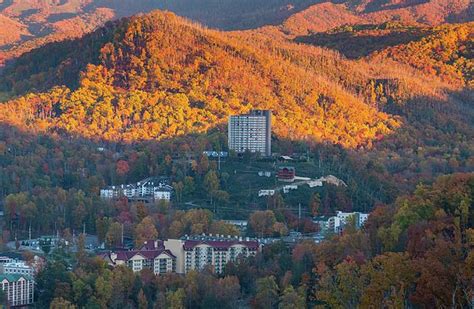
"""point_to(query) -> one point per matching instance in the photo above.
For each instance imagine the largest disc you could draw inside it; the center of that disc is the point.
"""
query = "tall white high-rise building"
(251, 132)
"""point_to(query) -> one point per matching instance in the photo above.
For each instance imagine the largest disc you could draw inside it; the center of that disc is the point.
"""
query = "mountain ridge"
(34, 23)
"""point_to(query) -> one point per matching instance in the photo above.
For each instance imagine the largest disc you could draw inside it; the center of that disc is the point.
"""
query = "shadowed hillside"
(445, 51)
(27, 24)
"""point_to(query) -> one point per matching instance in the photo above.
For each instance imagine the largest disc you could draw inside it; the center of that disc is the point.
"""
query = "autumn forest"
(378, 93)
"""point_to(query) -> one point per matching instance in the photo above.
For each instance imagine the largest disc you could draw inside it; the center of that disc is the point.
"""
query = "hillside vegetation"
(158, 76)
(448, 52)
(386, 107)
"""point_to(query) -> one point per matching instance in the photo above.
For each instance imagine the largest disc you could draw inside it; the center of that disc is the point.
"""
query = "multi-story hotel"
(18, 289)
(184, 255)
(199, 252)
(251, 132)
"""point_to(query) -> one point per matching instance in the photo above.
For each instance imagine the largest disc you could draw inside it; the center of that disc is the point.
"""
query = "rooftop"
(289, 168)
(223, 244)
(16, 264)
(255, 112)
(150, 182)
(14, 277)
(148, 254)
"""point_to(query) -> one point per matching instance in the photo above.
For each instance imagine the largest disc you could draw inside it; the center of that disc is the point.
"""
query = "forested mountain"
(158, 77)
(27, 24)
(377, 93)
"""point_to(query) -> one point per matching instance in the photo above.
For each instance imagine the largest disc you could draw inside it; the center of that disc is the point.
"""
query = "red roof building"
(286, 173)
(184, 255)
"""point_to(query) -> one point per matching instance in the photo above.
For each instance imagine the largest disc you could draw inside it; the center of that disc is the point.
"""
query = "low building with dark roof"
(152, 255)
(286, 173)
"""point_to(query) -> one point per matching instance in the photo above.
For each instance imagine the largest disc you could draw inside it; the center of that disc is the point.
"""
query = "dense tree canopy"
(345, 271)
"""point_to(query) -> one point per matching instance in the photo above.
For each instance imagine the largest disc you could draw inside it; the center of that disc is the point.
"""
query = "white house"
(288, 188)
(108, 193)
(240, 224)
(5, 260)
(315, 183)
(266, 193)
(162, 193)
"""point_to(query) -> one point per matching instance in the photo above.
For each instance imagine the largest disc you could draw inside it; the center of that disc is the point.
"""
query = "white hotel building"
(251, 132)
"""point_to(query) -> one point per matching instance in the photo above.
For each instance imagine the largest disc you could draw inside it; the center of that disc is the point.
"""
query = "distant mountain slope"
(32, 23)
(325, 16)
(11, 31)
(51, 20)
(446, 51)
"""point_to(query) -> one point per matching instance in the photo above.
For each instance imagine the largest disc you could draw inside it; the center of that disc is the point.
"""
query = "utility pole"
(219, 151)
(122, 235)
(299, 216)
